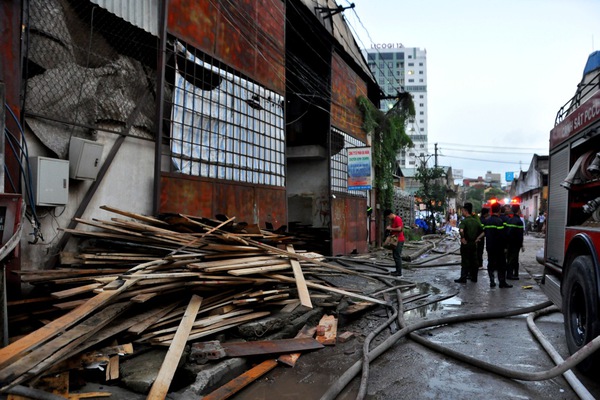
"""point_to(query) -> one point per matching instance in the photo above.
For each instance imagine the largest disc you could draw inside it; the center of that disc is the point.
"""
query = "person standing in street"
(471, 233)
(485, 212)
(495, 244)
(514, 235)
(396, 227)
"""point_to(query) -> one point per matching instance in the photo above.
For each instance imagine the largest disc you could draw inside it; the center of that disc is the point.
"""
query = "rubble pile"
(168, 281)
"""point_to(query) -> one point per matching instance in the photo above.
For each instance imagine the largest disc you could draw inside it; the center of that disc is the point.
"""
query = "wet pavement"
(411, 371)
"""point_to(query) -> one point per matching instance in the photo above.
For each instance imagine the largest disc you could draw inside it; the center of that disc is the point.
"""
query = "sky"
(497, 71)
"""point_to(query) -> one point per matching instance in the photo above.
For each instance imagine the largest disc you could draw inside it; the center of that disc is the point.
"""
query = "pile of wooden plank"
(160, 281)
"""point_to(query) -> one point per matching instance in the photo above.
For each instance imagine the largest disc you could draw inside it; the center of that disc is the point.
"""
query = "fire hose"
(368, 356)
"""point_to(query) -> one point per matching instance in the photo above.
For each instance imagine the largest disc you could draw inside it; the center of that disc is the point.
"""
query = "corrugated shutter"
(140, 13)
(557, 206)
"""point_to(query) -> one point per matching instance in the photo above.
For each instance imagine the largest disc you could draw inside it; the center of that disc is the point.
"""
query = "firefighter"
(481, 243)
(515, 229)
(495, 244)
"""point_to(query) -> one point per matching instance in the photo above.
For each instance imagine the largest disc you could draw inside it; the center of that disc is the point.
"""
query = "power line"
(505, 151)
(479, 159)
(492, 147)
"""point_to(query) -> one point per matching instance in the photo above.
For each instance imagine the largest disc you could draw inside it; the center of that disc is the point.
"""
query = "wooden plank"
(88, 395)
(258, 263)
(160, 387)
(303, 293)
(69, 305)
(327, 330)
(242, 349)
(237, 384)
(151, 317)
(290, 306)
(139, 217)
(300, 257)
(75, 291)
(142, 298)
(213, 328)
(112, 368)
(260, 270)
(330, 289)
(58, 349)
(202, 322)
(37, 338)
(235, 261)
(290, 359)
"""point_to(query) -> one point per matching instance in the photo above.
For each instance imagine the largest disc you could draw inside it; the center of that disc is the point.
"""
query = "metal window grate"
(339, 162)
(222, 125)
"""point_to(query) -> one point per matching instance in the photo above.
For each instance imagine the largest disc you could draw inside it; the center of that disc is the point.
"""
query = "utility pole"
(436, 159)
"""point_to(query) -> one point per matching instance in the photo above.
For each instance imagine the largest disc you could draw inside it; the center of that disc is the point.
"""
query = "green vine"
(388, 138)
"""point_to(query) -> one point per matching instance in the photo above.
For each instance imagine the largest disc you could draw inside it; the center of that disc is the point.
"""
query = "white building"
(398, 68)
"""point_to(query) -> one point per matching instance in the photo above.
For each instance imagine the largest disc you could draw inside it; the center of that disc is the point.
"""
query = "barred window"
(339, 162)
(224, 126)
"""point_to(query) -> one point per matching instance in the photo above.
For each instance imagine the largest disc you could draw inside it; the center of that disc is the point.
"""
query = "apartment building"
(403, 69)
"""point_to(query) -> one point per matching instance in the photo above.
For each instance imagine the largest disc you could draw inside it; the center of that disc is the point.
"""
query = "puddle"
(434, 302)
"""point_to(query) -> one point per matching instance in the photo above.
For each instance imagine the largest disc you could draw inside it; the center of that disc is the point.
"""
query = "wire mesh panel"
(341, 142)
(222, 125)
(84, 67)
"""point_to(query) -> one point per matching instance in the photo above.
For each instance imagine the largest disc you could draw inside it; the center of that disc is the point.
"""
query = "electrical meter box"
(84, 157)
(50, 180)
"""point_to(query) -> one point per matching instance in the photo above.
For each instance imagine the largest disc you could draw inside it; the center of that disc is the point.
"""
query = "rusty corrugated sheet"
(140, 13)
(247, 35)
(349, 225)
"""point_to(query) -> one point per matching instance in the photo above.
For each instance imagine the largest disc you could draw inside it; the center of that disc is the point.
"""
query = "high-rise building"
(403, 69)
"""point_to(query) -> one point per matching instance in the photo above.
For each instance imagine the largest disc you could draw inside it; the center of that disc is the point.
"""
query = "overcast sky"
(498, 71)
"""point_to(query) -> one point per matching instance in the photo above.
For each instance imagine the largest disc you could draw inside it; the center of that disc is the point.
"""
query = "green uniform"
(470, 229)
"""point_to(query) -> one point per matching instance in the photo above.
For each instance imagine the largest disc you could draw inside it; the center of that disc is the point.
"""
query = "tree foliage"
(495, 193)
(432, 192)
(388, 138)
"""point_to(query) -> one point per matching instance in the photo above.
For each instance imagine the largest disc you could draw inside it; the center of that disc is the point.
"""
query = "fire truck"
(572, 246)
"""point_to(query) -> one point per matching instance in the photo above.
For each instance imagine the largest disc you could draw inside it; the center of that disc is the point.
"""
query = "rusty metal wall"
(207, 197)
(349, 225)
(346, 87)
(248, 35)
(10, 76)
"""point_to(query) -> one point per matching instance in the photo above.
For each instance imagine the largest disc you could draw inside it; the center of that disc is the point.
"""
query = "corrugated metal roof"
(141, 13)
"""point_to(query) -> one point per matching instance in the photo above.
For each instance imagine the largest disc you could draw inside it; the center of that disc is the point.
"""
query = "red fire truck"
(572, 247)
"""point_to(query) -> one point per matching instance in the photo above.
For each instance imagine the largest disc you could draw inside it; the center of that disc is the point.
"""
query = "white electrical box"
(50, 180)
(84, 157)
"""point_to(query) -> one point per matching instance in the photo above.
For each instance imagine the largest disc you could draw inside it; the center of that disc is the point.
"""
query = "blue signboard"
(509, 176)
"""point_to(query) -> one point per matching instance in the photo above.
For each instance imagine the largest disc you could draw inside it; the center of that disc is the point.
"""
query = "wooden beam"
(58, 349)
(303, 293)
(290, 359)
(160, 387)
(330, 289)
(259, 270)
(237, 384)
(37, 338)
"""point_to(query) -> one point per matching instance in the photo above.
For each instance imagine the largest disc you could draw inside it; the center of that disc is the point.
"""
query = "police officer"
(470, 233)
